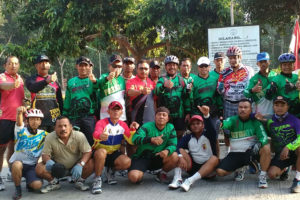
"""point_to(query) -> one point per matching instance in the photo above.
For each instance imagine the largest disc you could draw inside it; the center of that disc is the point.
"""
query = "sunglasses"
(202, 66)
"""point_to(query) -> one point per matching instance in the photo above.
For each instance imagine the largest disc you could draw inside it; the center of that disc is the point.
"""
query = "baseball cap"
(197, 117)
(83, 59)
(41, 58)
(280, 98)
(154, 63)
(219, 55)
(114, 104)
(203, 61)
(262, 56)
(129, 59)
(115, 58)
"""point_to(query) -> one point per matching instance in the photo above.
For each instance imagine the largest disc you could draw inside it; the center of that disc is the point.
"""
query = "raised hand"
(169, 84)
(204, 110)
(134, 125)
(163, 154)
(92, 78)
(111, 76)
(257, 88)
(104, 135)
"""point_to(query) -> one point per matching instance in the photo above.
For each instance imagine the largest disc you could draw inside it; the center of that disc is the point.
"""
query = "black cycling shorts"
(144, 164)
(234, 160)
(284, 163)
(7, 130)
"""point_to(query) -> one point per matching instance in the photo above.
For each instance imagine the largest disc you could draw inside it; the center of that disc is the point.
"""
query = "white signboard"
(245, 37)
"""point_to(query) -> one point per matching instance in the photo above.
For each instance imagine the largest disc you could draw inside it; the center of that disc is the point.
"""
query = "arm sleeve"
(128, 134)
(47, 146)
(247, 91)
(261, 133)
(295, 144)
(227, 124)
(183, 143)
(172, 141)
(34, 86)
(159, 89)
(140, 137)
(98, 129)
(18, 129)
(220, 89)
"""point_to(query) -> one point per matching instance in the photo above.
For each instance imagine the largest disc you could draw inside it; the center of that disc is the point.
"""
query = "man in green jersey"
(80, 100)
(246, 136)
(258, 85)
(286, 84)
(112, 87)
(172, 93)
(156, 148)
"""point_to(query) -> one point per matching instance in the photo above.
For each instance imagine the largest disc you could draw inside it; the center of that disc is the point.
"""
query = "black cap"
(219, 55)
(41, 58)
(154, 63)
(83, 59)
(129, 59)
(280, 98)
(114, 58)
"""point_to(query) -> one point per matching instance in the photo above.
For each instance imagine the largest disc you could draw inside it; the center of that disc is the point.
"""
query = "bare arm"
(20, 111)
(86, 156)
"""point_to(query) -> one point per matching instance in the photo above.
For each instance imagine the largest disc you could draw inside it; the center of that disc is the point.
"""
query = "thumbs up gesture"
(104, 135)
(157, 140)
(169, 84)
(289, 87)
(257, 88)
(52, 78)
(204, 110)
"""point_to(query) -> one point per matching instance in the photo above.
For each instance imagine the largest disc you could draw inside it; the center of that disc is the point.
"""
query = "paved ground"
(219, 188)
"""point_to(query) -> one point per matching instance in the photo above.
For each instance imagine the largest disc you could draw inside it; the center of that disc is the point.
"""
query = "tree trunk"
(61, 65)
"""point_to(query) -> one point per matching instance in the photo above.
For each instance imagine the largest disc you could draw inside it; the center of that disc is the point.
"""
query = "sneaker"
(262, 181)
(110, 176)
(50, 187)
(239, 174)
(81, 186)
(2, 186)
(162, 178)
(285, 175)
(176, 183)
(186, 185)
(97, 186)
(123, 173)
(296, 186)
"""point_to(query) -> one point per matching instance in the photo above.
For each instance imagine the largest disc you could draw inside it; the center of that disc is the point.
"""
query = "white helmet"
(203, 61)
(34, 113)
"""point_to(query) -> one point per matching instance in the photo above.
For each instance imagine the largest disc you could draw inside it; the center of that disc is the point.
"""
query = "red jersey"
(11, 99)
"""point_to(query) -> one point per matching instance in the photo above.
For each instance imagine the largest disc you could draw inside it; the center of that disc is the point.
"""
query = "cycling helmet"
(171, 59)
(34, 113)
(286, 57)
(234, 51)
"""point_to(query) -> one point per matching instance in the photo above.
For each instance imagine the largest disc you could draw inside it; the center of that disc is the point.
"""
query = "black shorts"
(179, 124)
(29, 174)
(284, 163)
(195, 167)
(235, 160)
(110, 159)
(7, 131)
(144, 164)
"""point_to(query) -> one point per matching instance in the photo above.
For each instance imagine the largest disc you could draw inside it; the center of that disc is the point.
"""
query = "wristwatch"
(82, 163)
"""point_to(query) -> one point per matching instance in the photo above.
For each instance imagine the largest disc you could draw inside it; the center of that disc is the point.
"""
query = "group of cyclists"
(132, 123)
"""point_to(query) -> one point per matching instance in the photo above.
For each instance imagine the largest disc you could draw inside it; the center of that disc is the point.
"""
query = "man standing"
(112, 87)
(246, 137)
(286, 83)
(128, 68)
(233, 81)
(172, 93)
(12, 95)
(156, 148)
(69, 149)
(154, 71)
(45, 92)
(219, 60)
(258, 85)
(80, 100)
(140, 91)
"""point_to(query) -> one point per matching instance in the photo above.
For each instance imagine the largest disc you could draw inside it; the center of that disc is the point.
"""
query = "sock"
(263, 173)
(297, 175)
(18, 189)
(177, 173)
(195, 177)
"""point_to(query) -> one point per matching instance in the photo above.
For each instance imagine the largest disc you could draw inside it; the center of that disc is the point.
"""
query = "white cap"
(203, 61)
